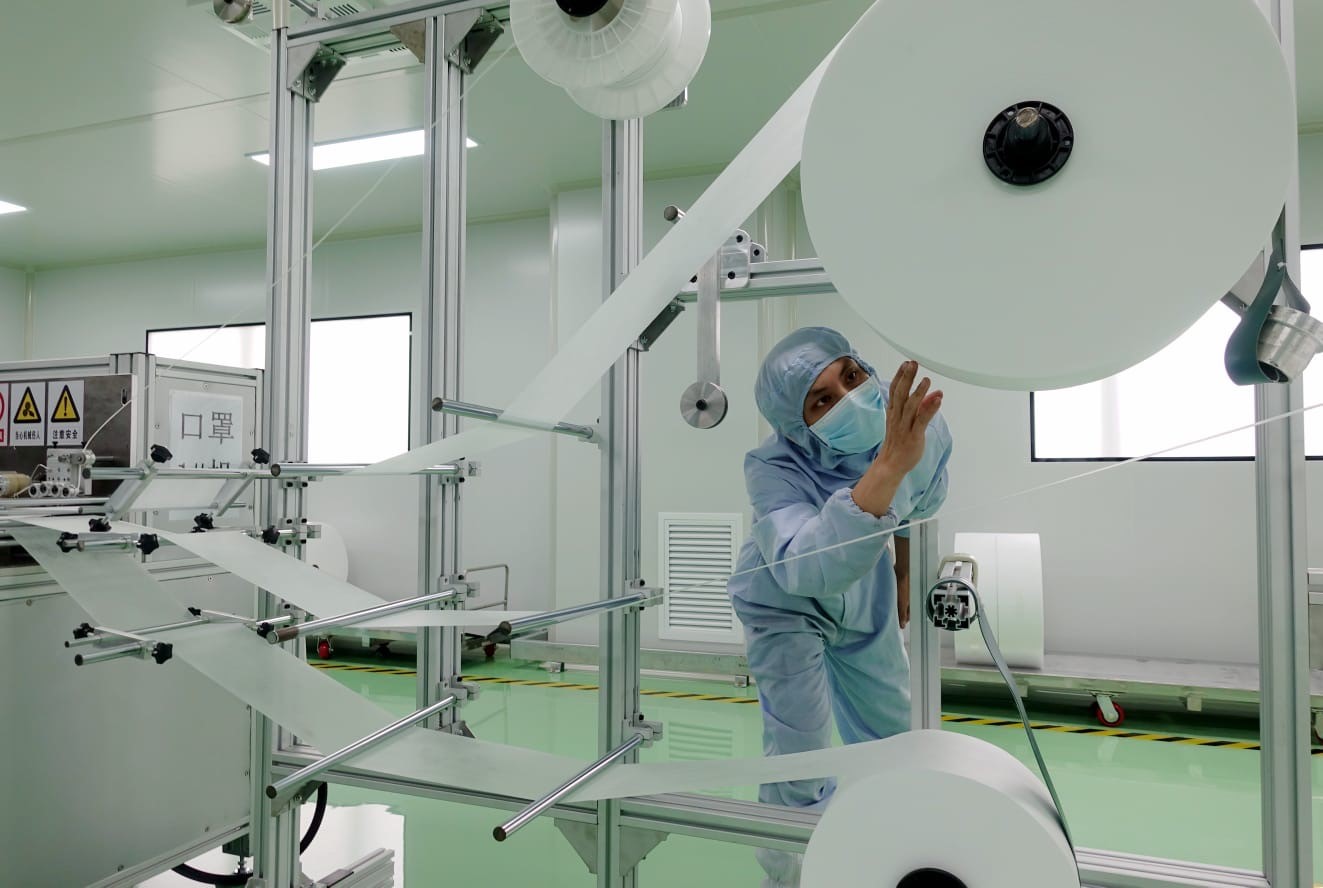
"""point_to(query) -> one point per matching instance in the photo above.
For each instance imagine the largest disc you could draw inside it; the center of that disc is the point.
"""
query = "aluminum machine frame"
(450, 37)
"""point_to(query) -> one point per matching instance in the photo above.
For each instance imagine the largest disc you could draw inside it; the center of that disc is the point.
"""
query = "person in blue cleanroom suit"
(850, 455)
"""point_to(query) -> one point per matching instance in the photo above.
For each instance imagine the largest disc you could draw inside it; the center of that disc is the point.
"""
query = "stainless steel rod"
(304, 774)
(138, 473)
(306, 470)
(152, 630)
(111, 653)
(526, 816)
(551, 618)
(490, 414)
(290, 633)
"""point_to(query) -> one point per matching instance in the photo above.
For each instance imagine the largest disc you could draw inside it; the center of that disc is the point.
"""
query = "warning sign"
(27, 426)
(4, 414)
(64, 413)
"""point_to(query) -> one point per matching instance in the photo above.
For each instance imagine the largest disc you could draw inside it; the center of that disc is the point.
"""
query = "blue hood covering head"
(784, 380)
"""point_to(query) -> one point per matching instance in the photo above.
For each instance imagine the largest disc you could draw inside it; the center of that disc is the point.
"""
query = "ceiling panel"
(126, 124)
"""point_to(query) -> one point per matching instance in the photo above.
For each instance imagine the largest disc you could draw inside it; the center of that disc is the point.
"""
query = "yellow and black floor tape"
(717, 698)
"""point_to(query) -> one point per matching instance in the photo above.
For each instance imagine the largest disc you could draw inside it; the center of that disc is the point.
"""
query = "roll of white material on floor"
(1010, 584)
(965, 814)
(1160, 198)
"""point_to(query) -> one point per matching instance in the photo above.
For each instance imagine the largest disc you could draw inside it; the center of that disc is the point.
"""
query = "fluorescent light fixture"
(369, 149)
(6, 207)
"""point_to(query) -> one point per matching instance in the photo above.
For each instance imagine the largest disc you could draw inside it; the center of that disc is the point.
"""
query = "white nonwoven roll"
(1183, 147)
(951, 805)
(590, 50)
(656, 86)
(1010, 585)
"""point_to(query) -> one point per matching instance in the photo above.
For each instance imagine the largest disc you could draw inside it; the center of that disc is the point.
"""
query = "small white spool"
(604, 48)
(654, 87)
(1010, 585)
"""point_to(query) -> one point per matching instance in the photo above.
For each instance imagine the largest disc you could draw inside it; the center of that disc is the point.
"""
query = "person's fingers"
(914, 402)
(928, 408)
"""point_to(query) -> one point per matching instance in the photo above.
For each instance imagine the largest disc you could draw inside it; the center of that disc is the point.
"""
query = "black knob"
(271, 536)
(99, 525)
(160, 454)
(162, 651)
(203, 522)
(149, 543)
(260, 457)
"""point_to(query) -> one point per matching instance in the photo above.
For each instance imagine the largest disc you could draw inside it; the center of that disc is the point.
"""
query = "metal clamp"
(147, 543)
(116, 644)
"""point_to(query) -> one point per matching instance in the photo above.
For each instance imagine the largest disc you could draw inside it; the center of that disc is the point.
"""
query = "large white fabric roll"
(949, 805)
(1184, 139)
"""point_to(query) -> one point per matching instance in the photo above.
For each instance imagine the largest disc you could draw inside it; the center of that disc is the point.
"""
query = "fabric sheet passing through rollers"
(115, 590)
(295, 581)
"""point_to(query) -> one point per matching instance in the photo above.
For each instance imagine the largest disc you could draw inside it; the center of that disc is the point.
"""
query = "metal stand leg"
(925, 640)
(622, 199)
(1283, 595)
(439, 340)
(275, 843)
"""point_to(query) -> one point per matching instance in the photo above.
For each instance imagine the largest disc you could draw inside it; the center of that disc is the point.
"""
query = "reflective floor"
(1159, 792)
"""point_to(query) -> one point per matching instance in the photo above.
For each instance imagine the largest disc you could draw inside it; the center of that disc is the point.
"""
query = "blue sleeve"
(930, 475)
(788, 528)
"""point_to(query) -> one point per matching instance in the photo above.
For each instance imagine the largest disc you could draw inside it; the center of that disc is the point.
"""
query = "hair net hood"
(784, 380)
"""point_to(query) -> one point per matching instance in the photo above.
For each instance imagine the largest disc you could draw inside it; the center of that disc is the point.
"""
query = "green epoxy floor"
(1166, 799)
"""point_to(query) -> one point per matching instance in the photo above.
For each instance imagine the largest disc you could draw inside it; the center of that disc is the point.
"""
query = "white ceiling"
(125, 124)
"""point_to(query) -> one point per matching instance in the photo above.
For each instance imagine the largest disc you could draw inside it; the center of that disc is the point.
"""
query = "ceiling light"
(6, 207)
(370, 149)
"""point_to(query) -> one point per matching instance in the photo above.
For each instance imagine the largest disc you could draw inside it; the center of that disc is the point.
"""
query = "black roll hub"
(930, 878)
(1028, 143)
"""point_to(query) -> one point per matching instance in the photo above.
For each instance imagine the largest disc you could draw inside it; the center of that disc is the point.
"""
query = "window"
(358, 399)
(1180, 394)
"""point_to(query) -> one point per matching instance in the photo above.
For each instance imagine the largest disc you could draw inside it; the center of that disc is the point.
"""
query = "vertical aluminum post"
(622, 221)
(438, 344)
(1283, 590)
(925, 639)
(275, 839)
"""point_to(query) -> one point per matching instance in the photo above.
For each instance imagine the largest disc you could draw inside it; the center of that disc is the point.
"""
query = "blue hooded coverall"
(821, 631)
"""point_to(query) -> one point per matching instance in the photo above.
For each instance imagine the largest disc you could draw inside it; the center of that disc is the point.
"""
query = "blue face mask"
(857, 423)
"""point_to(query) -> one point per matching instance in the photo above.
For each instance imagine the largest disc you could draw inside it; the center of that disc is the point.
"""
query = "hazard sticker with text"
(64, 413)
(27, 414)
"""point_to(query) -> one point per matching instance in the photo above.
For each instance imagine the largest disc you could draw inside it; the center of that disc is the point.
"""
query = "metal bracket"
(650, 731)
(635, 844)
(738, 254)
(312, 69)
(479, 38)
(654, 330)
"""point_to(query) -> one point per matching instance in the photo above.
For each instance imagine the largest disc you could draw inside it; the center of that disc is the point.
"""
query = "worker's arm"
(814, 552)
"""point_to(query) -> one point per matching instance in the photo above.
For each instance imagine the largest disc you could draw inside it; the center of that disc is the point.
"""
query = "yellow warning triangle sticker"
(65, 408)
(27, 408)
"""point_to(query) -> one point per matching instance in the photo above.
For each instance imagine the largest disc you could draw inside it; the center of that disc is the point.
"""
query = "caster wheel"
(324, 649)
(490, 651)
(1103, 720)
